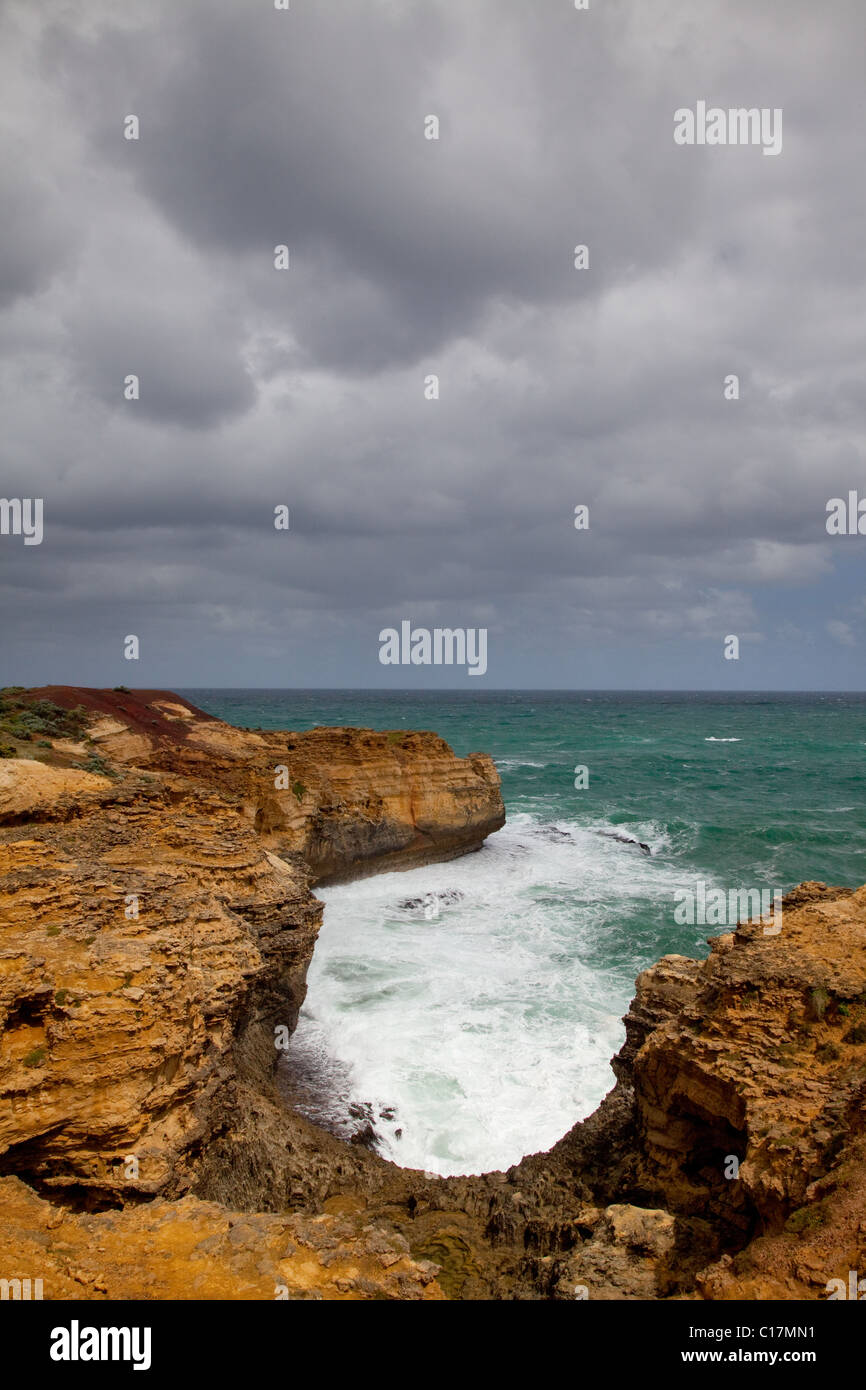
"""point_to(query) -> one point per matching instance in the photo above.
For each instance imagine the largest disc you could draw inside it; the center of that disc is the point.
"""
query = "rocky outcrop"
(190, 1249)
(148, 937)
(156, 923)
(348, 801)
(762, 1061)
(738, 1111)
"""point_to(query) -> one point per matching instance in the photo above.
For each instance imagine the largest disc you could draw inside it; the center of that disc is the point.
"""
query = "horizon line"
(523, 690)
(462, 689)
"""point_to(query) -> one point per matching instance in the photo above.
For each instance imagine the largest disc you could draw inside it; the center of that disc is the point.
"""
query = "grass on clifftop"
(26, 720)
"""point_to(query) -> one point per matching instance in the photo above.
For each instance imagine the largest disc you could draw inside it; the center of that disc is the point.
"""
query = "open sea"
(469, 1010)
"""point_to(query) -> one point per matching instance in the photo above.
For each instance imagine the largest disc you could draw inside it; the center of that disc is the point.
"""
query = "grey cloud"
(409, 257)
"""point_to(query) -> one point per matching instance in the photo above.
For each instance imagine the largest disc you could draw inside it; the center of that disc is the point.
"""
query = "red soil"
(135, 707)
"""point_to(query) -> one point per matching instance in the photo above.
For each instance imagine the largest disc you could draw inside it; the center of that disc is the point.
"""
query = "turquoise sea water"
(477, 1003)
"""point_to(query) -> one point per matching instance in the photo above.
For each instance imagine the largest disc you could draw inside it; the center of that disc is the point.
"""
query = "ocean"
(468, 1011)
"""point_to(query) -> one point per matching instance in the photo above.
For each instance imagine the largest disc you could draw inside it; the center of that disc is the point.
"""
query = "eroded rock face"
(349, 801)
(190, 1249)
(157, 929)
(156, 923)
(739, 1106)
(147, 936)
(763, 1061)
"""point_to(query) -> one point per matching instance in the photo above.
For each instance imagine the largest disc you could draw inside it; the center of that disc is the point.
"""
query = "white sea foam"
(711, 739)
(486, 1021)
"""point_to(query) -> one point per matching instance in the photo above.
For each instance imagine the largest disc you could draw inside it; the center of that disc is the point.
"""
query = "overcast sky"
(409, 257)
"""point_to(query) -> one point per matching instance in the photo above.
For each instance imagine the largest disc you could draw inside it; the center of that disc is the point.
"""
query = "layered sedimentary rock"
(349, 801)
(156, 923)
(738, 1111)
(146, 934)
(189, 1249)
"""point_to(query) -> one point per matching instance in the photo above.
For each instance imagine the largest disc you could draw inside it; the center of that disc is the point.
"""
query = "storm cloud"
(410, 257)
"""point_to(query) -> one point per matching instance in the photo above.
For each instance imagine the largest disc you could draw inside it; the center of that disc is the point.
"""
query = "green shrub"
(806, 1219)
(299, 789)
(35, 1058)
(98, 765)
(22, 719)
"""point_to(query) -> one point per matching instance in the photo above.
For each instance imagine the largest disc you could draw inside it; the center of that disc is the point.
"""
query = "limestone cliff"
(349, 801)
(156, 923)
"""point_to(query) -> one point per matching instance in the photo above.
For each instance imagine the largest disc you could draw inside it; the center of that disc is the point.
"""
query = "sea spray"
(485, 1029)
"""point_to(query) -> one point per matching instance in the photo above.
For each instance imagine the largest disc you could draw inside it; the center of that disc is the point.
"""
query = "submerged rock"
(625, 840)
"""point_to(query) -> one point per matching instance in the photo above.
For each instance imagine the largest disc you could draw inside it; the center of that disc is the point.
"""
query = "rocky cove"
(158, 920)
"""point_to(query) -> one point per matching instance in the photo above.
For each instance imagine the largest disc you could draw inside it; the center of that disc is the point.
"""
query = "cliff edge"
(156, 924)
